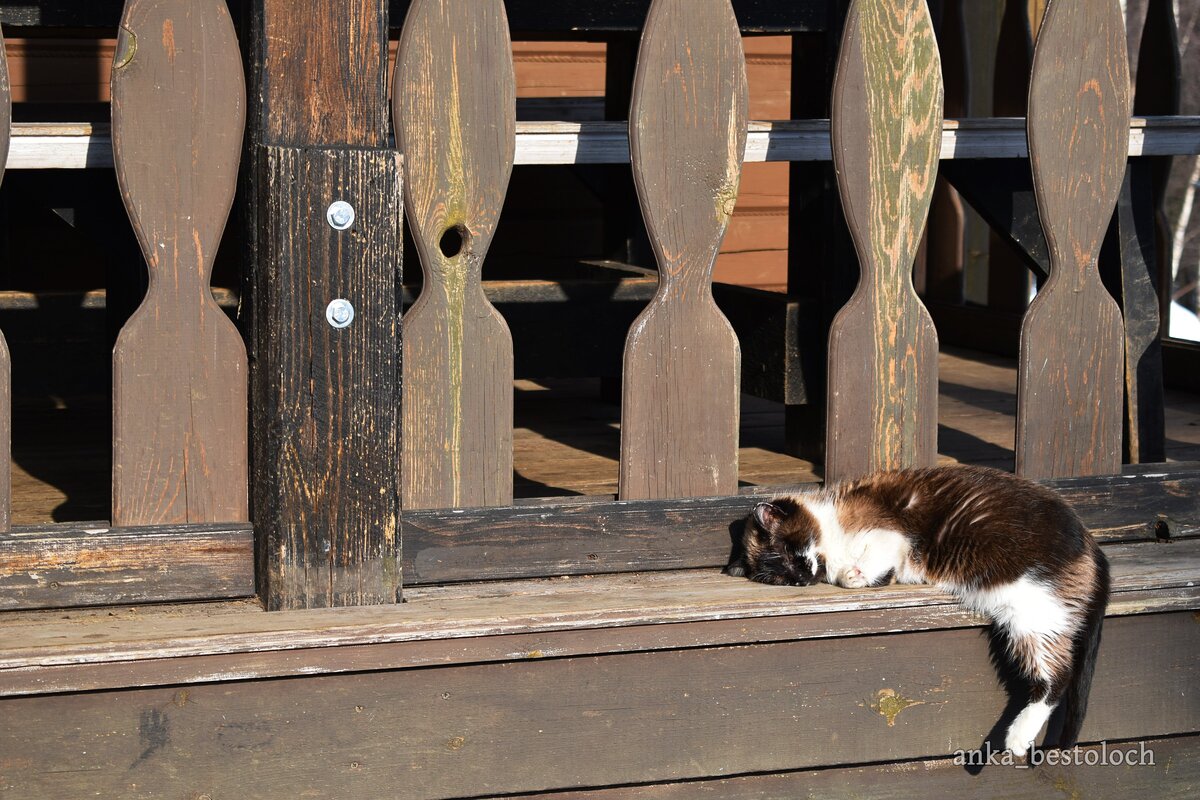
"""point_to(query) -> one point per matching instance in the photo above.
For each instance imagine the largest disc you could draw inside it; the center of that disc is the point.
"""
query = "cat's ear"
(769, 516)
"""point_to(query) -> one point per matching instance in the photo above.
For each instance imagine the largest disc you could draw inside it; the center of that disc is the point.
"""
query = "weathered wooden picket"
(342, 433)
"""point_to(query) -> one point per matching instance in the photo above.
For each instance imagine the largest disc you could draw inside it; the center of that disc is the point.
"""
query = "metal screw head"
(340, 215)
(339, 313)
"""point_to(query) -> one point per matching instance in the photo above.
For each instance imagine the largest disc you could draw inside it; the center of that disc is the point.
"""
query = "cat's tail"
(1086, 646)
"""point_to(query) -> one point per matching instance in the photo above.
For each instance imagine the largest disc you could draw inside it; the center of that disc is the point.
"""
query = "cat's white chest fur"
(859, 558)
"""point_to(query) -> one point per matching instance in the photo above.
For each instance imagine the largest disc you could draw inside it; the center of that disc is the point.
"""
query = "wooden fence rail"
(180, 370)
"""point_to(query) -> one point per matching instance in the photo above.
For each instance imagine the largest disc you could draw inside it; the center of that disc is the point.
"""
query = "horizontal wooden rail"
(78, 564)
(84, 146)
(608, 537)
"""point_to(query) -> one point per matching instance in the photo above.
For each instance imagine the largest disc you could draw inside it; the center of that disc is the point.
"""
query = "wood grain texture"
(323, 79)
(326, 450)
(5, 361)
(1168, 772)
(179, 365)
(887, 117)
(687, 136)
(454, 108)
(1072, 348)
(70, 565)
(575, 722)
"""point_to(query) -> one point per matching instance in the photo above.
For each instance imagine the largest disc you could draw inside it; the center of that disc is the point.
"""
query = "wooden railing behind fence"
(687, 137)
(1072, 350)
(454, 107)
(179, 365)
(887, 123)
(5, 361)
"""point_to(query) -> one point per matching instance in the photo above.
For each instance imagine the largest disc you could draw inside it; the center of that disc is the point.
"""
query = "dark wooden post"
(325, 385)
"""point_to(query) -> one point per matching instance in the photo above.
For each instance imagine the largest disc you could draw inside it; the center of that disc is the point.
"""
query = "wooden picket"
(887, 120)
(5, 361)
(1072, 348)
(454, 107)
(687, 136)
(179, 366)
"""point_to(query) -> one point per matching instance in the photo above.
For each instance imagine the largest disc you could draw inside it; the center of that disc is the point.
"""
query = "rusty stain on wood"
(179, 109)
(1070, 383)
(687, 134)
(454, 109)
(887, 121)
(888, 703)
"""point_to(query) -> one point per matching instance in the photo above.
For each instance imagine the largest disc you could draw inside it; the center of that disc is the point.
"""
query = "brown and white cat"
(1009, 549)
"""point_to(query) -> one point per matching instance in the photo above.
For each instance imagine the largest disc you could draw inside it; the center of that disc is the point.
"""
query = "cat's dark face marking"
(778, 546)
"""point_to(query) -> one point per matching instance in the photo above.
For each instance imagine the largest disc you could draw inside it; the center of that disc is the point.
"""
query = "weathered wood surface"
(687, 133)
(887, 118)
(326, 400)
(454, 108)
(71, 565)
(576, 722)
(327, 508)
(179, 365)
(1072, 342)
(1167, 771)
(1153, 575)
(5, 361)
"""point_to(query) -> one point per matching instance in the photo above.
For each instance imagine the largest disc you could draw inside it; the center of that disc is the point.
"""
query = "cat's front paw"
(853, 578)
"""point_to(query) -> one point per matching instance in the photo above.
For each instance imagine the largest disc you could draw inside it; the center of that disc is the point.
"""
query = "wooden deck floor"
(566, 439)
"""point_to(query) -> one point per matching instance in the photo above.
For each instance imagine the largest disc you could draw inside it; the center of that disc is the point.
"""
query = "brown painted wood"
(455, 115)
(687, 135)
(1072, 348)
(327, 508)
(70, 565)
(887, 120)
(5, 361)
(576, 722)
(179, 365)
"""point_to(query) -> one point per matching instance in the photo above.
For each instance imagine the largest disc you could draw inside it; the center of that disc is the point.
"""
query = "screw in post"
(340, 215)
(339, 313)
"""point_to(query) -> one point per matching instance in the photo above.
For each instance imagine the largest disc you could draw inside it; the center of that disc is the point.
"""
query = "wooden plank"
(67, 565)
(687, 131)
(35, 640)
(5, 360)
(887, 113)
(80, 145)
(179, 365)
(1069, 398)
(327, 508)
(455, 115)
(577, 722)
(1161, 768)
(373, 656)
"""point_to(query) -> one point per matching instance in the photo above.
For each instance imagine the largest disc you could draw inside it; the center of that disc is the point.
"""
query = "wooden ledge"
(508, 621)
(82, 145)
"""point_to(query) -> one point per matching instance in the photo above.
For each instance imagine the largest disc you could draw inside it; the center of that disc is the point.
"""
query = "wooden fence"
(337, 453)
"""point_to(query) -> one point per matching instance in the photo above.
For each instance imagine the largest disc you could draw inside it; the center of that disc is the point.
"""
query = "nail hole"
(453, 240)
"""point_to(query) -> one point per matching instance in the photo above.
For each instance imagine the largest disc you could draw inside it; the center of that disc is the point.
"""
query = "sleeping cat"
(1007, 548)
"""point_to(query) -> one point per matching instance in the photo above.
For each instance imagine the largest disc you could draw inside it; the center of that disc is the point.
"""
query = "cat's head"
(778, 545)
